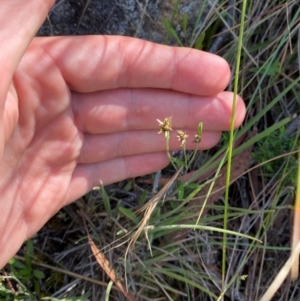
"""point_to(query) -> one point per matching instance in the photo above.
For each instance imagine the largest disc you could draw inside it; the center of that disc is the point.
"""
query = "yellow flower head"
(182, 136)
(165, 126)
(197, 139)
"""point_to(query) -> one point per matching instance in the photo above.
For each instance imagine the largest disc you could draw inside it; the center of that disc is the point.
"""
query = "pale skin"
(74, 110)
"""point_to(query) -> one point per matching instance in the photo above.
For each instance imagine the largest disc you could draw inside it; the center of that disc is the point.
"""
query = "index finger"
(93, 63)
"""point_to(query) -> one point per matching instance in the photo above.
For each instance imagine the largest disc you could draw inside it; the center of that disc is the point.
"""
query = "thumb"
(19, 22)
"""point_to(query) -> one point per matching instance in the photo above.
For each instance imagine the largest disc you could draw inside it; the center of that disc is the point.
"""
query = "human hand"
(75, 110)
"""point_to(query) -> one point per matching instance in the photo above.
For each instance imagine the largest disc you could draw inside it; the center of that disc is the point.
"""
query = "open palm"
(79, 109)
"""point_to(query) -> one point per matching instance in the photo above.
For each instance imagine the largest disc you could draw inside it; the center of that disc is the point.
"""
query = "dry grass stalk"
(150, 206)
(106, 266)
(282, 274)
(296, 230)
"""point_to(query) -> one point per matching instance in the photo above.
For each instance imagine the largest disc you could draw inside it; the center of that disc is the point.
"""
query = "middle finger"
(137, 109)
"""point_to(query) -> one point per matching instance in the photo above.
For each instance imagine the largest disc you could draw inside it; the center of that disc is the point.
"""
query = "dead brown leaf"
(106, 266)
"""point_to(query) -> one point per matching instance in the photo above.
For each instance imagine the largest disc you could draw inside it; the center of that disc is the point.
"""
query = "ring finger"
(98, 148)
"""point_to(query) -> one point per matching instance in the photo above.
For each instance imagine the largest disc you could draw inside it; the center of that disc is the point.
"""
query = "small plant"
(165, 128)
(276, 144)
(25, 276)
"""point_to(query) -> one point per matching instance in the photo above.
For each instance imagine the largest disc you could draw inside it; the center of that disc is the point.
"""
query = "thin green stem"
(185, 158)
(167, 136)
(231, 138)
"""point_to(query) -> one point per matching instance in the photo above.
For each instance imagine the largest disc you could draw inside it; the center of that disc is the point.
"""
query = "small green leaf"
(185, 22)
(37, 288)
(178, 161)
(128, 186)
(29, 247)
(171, 30)
(180, 187)
(269, 69)
(143, 197)
(192, 186)
(107, 294)
(105, 198)
(199, 41)
(24, 273)
(17, 264)
(28, 252)
(38, 274)
(129, 214)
